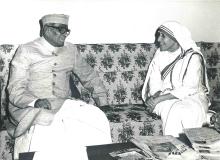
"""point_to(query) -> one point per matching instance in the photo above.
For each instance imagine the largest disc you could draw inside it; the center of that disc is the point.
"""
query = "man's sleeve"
(18, 80)
(90, 79)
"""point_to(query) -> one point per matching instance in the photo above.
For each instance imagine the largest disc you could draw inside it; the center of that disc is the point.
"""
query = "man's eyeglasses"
(61, 29)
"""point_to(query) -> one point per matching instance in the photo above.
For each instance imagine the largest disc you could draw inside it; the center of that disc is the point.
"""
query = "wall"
(110, 21)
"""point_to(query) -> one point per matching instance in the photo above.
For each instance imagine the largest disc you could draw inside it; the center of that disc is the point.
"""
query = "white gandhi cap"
(55, 18)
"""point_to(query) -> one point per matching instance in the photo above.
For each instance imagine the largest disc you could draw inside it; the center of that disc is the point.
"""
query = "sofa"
(123, 68)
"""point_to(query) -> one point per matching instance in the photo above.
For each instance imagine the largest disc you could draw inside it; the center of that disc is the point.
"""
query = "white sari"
(187, 81)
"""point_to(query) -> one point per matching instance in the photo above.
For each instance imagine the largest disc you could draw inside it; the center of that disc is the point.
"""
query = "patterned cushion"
(6, 53)
(211, 51)
(127, 121)
(6, 146)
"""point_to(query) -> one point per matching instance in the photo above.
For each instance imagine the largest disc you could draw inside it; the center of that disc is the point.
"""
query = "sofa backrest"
(122, 67)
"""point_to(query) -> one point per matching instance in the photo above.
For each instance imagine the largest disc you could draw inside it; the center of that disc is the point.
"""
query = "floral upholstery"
(211, 52)
(6, 143)
(6, 54)
(123, 69)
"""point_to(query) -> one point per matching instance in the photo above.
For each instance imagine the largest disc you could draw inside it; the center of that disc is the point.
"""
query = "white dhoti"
(75, 126)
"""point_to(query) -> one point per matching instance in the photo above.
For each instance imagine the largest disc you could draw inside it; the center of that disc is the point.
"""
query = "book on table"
(205, 141)
(156, 148)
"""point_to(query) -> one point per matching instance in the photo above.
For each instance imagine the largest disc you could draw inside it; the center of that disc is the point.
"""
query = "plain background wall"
(110, 21)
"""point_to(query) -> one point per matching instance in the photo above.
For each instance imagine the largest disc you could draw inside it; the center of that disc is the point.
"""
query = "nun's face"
(166, 43)
(56, 34)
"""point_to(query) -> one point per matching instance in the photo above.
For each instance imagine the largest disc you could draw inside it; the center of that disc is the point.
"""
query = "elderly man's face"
(56, 34)
(166, 43)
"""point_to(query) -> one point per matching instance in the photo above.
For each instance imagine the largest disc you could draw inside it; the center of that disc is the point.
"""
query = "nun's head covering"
(178, 33)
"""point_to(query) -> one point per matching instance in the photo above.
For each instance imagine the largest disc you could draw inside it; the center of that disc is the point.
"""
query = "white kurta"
(189, 110)
(75, 126)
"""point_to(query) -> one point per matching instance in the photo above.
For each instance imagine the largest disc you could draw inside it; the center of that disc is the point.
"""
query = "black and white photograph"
(80, 78)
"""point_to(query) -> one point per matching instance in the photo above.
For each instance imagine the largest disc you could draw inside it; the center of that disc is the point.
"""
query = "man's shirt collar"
(48, 46)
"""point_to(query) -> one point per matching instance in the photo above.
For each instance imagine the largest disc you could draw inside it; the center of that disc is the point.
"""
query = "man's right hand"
(43, 103)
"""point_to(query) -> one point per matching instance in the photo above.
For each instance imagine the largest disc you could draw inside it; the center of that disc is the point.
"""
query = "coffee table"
(98, 152)
(101, 152)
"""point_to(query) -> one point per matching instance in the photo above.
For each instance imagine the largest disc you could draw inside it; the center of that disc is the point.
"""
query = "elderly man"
(44, 118)
(176, 85)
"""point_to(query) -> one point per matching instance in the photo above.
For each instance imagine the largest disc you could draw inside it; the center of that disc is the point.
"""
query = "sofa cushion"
(6, 53)
(6, 146)
(128, 121)
(211, 52)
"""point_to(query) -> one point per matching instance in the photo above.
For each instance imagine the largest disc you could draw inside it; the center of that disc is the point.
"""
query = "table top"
(100, 152)
(97, 152)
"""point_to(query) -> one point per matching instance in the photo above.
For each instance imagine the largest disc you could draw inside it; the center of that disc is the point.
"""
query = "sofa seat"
(6, 145)
(128, 121)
